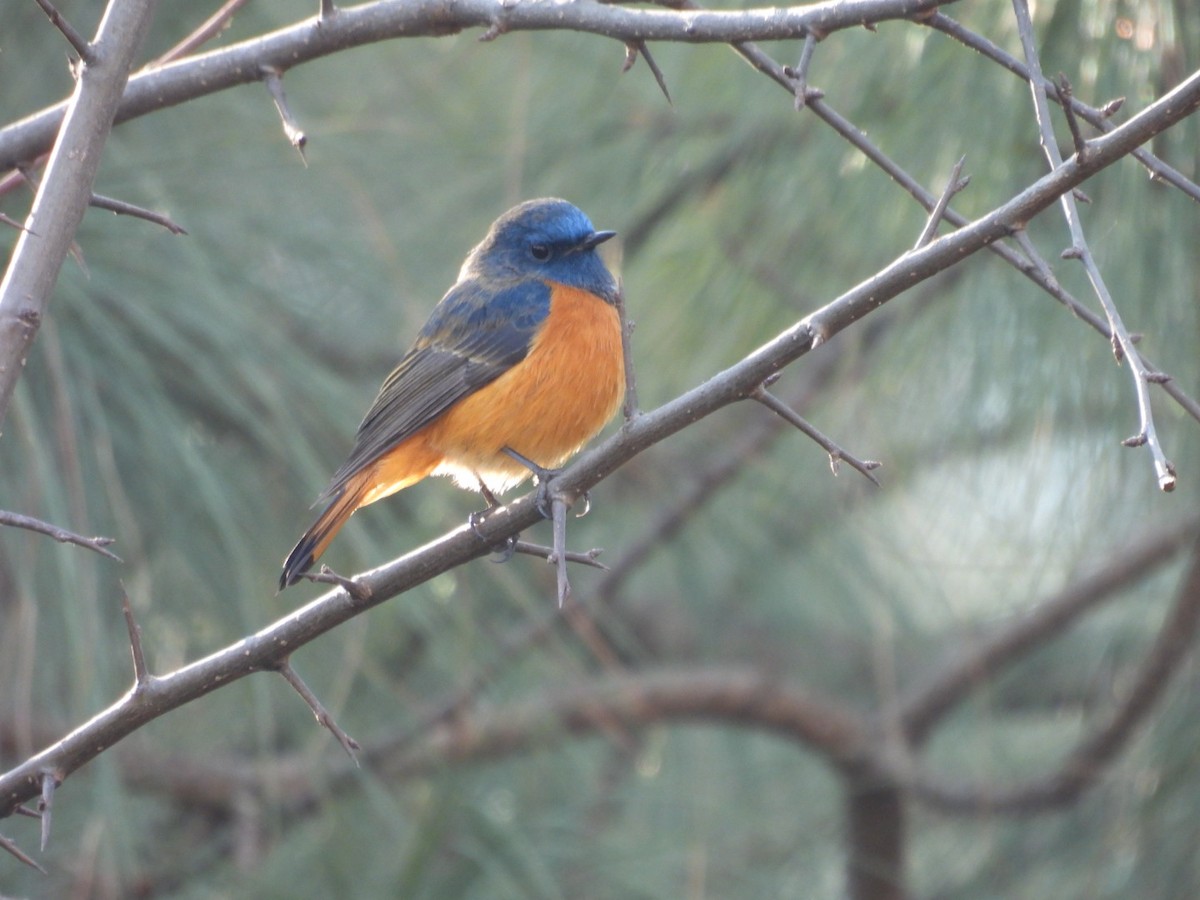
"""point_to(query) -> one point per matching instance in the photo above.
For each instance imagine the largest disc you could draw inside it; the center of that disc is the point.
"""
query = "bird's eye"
(540, 252)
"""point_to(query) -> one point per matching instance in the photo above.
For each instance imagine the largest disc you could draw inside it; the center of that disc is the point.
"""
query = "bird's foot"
(504, 551)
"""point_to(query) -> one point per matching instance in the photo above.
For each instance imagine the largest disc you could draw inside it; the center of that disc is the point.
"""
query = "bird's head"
(549, 239)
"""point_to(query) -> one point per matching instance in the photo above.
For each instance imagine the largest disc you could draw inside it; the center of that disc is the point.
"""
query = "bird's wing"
(473, 336)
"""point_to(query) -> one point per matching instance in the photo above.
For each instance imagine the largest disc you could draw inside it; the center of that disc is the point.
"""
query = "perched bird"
(519, 365)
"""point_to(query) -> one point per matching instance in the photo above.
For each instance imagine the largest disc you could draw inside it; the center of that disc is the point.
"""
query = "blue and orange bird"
(519, 366)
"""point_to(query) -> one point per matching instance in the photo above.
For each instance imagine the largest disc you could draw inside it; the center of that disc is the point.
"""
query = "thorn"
(12, 223)
(629, 409)
(631, 51)
(325, 575)
(121, 208)
(1110, 108)
(494, 31)
(50, 781)
(140, 676)
(799, 73)
(558, 556)
(349, 744)
(1137, 440)
(273, 79)
(74, 38)
(1080, 195)
(7, 844)
(954, 184)
(1072, 253)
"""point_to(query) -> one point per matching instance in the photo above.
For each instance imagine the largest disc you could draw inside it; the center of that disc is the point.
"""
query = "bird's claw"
(505, 549)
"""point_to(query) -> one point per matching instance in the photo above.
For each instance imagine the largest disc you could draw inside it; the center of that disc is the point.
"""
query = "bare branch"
(97, 544)
(835, 451)
(368, 23)
(1088, 762)
(800, 73)
(588, 558)
(1065, 97)
(1038, 273)
(1123, 346)
(66, 188)
(323, 716)
(953, 186)
(205, 32)
(976, 661)
(1098, 118)
(121, 208)
(267, 648)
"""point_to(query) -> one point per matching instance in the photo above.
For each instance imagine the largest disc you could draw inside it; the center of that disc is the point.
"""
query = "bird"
(519, 365)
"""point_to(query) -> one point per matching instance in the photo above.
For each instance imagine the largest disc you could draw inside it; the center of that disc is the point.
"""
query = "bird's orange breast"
(547, 406)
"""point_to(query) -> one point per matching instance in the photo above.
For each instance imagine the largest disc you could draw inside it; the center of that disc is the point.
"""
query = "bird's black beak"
(596, 239)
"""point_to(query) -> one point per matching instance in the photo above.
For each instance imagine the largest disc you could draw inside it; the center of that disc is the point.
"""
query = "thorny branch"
(98, 544)
(1123, 346)
(266, 649)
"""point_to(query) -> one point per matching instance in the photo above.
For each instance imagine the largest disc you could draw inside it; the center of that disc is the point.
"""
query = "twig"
(96, 544)
(1064, 98)
(1099, 118)
(953, 186)
(372, 22)
(121, 208)
(140, 675)
(206, 31)
(11, 847)
(800, 73)
(11, 222)
(62, 198)
(349, 744)
(632, 49)
(836, 452)
(547, 553)
(1123, 346)
(273, 79)
(327, 10)
(1037, 274)
(74, 38)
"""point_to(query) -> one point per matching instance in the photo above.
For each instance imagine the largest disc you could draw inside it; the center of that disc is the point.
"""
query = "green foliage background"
(190, 396)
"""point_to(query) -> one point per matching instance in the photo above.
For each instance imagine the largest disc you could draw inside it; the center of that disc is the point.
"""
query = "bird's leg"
(504, 550)
(543, 475)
